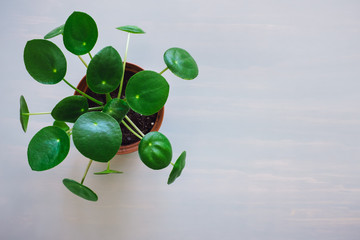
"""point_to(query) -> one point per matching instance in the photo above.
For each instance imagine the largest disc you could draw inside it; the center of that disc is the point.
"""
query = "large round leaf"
(70, 108)
(178, 167)
(155, 150)
(147, 92)
(24, 110)
(117, 108)
(44, 61)
(131, 29)
(55, 32)
(97, 136)
(48, 148)
(181, 63)
(80, 190)
(105, 70)
(80, 33)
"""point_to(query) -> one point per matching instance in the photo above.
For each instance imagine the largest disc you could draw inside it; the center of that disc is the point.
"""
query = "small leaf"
(70, 108)
(155, 150)
(61, 125)
(44, 61)
(80, 33)
(48, 148)
(147, 92)
(178, 167)
(97, 136)
(55, 32)
(107, 171)
(105, 71)
(181, 63)
(24, 110)
(131, 29)
(117, 108)
(80, 190)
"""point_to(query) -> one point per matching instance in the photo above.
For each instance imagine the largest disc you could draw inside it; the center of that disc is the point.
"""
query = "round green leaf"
(117, 108)
(48, 148)
(131, 29)
(147, 92)
(155, 150)
(80, 33)
(97, 136)
(105, 71)
(24, 110)
(181, 63)
(178, 167)
(61, 125)
(44, 61)
(55, 32)
(80, 190)
(70, 108)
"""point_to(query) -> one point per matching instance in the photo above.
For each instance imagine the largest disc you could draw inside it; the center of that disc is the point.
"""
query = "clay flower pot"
(151, 123)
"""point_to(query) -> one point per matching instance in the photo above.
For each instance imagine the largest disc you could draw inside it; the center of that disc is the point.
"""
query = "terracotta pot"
(130, 70)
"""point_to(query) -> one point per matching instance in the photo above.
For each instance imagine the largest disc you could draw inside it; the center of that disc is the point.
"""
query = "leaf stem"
(128, 127)
(164, 70)
(124, 65)
(82, 93)
(82, 60)
(90, 55)
(39, 113)
(96, 108)
(133, 124)
(108, 166)
(86, 171)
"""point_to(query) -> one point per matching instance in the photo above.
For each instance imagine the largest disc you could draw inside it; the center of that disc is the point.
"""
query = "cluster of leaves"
(97, 134)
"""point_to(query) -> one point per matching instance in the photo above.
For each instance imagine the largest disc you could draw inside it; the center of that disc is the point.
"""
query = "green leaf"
(61, 125)
(105, 71)
(131, 29)
(107, 171)
(44, 61)
(117, 108)
(24, 110)
(181, 63)
(70, 108)
(55, 32)
(178, 167)
(80, 33)
(97, 136)
(48, 148)
(147, 92)
(155, 150)
(80, 190)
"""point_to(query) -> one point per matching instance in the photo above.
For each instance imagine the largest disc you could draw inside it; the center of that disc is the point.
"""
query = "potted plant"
(93, 123)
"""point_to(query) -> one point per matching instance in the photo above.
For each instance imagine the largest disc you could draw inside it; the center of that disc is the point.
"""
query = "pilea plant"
(95, 131)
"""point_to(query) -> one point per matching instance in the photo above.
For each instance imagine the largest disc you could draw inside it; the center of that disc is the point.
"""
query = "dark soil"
(144, 123)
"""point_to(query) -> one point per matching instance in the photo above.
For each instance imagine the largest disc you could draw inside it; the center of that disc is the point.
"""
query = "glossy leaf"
(178, 167)
(131, 29)
(155, 150)
(24, 110)
(48, 148)
(97, 136)
(61, 125)
(117, 108)
(80, 190)
(147, 92)
(105, 70)
(55, 32)
(80, 33)
(181, 63)
(44, 61)
(70, 108)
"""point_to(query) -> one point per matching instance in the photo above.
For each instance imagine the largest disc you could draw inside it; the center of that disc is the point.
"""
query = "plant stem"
(108, 166)
(108, 97)
(124, 65)
(164, 70)
(39, 113)
(172, 164)
(83, 61)
(90, 55)
(82, 93)
(96, 108)
(128, 127)
(86, 171)
(133, 124)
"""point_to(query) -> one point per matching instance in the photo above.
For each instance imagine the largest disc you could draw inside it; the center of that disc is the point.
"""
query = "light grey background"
(271, 125)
